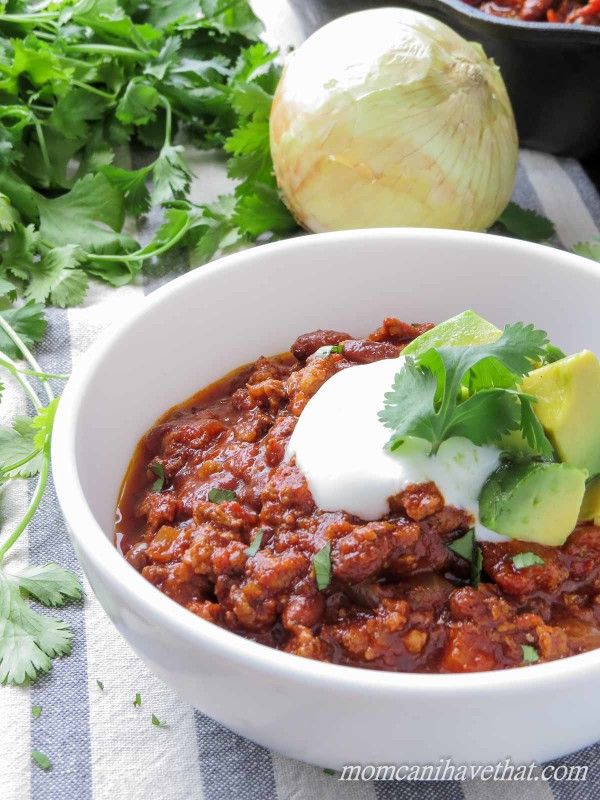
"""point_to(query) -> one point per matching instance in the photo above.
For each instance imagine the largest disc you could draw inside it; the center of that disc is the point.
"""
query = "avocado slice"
(535, 502)
(465, 328)
(568, 393)
(590, 508)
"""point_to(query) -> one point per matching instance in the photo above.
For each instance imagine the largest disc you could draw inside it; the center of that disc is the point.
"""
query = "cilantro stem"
(29, 19)
(10, 365)
(10, 467)
(42, 143)
(168, 120)
(140, 255)
(12, 334)
(92, 89)
(111, 50)
(33, 505)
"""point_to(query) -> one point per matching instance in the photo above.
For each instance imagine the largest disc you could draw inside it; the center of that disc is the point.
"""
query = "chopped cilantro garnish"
(528, 559)
(137, 702)
(100, 685)
(255, 544)
(329, 771)
(328, 350)
(467, 391)
(157, 722)
(36, 711)
(530, 654)
(322, 567)
(41, 760)
(466, 547)
(221, 495)
(159, 471)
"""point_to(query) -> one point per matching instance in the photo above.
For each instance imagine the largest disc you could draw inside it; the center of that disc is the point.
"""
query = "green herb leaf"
(57, 278)
(328, 771)
(221, 495)
(51, 584)
(552, 354)
(466, 547)
(530, 654)
(137, 702)
(322, 567)
(100, 685)
(28, 640)
(158, 469)
(528, 559)
(525, 223)
(328, 350)
(36, 711)
(28, 321)
(255, 544)
(157, 723)
(41, 760)
(426, 398)
(532, 429)
(588, 249)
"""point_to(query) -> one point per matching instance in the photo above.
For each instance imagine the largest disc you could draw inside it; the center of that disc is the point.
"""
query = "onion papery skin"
(387, 118)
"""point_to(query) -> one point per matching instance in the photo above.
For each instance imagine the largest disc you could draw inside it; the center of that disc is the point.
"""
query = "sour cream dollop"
(339, 446)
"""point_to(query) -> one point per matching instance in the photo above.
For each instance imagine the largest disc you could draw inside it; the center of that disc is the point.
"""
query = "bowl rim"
(99, 548)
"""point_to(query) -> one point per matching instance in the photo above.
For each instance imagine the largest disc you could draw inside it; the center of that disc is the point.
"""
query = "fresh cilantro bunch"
(468, 391)
(81, 81)
(29, 640)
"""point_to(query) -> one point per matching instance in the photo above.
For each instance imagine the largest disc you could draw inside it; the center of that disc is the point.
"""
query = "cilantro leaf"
(171, 175)
(28, 321)
(132, 183)
(221, 495)
(41, 760)
(100, 685)
(530, 654)
(137, 701)
(36, 712)
(322, 567)
(532, 429)
(51, 584)
(466, 547)
(485, 416)
(28, 640)
(528, 559)
(91, 215)
(19, 452)
(58, 278)
(525, 223)
(255, 544)
(588, 249)
(157, 722)
(139, 103)
(159, 471)
(426, 398)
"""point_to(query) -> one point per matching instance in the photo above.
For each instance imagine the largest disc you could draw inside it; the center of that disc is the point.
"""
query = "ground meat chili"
(398, 598)
(571, 11)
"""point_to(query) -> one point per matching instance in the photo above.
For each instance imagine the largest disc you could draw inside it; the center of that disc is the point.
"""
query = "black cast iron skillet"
(551, 70)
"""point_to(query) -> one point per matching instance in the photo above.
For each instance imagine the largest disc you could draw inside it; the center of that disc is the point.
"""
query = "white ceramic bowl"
(208, 322)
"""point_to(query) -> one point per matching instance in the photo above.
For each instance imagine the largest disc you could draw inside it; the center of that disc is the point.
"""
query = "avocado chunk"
(590, 508)
(568, 393)
(536, 502)
(463, 329)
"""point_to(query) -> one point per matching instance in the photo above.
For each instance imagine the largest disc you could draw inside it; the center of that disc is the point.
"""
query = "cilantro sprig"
(468, 391)
(29, 641)
(82, 80)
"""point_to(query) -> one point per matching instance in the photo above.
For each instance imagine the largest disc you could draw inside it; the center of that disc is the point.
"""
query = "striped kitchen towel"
(104, 748)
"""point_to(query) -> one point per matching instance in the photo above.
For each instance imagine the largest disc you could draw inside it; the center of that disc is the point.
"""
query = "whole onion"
(389, 118)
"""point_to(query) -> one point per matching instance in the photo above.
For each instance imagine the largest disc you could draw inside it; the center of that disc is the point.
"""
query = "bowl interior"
(205, 324)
